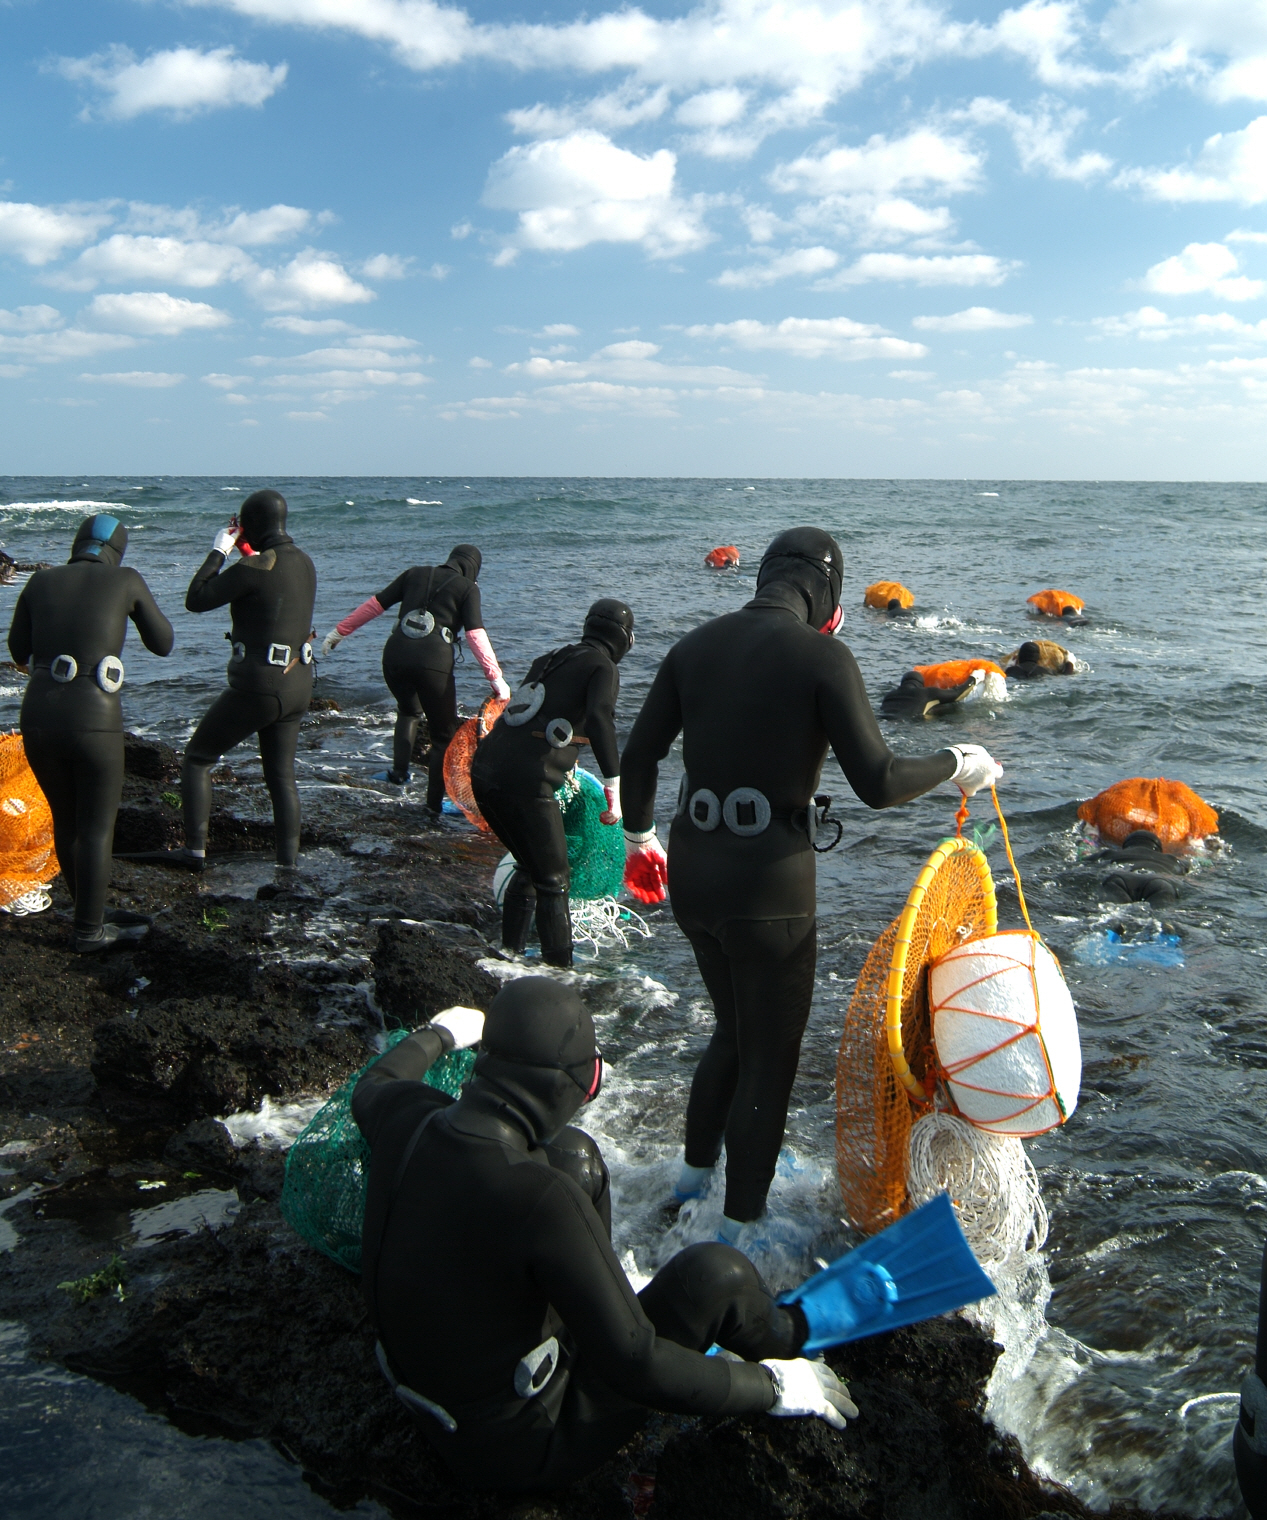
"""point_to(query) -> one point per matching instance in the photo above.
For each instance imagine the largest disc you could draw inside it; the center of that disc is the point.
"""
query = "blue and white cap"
(101, 537)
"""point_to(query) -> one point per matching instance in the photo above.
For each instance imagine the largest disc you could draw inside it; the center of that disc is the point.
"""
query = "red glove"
(646, 867)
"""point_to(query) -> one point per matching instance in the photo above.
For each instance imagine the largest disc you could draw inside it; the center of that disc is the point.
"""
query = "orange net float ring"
(885, 1068)
(1168, 809)
(1056, 603)
(955, 672)
(27, 858)
(1005, 1033)
(888, 596)
(722, 558)
(460, 753)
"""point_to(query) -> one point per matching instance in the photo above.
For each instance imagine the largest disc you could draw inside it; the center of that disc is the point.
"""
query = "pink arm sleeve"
(365, 613)
(477, 638)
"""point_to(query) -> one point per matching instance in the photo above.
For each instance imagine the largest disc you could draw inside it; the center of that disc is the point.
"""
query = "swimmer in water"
(568, 699)
(68, 627)
(1039, 657)
(758, 695)
(1149, 874)
(505, 1321)
(437, 602)
(912, 699)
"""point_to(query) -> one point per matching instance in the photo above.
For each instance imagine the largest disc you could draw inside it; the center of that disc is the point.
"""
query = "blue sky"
(743, 237)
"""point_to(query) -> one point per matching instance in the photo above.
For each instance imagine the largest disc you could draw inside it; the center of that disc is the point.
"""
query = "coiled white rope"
(991, 1181)
(604, 923)
(35, 901)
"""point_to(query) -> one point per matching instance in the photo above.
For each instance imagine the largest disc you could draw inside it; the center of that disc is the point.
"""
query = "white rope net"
(604, 923)
(991, 1181)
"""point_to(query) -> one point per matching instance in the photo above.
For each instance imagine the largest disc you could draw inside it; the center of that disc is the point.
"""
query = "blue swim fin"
(919, 1267)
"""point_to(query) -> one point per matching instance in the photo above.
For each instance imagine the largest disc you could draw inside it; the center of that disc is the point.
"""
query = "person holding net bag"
(758, 695)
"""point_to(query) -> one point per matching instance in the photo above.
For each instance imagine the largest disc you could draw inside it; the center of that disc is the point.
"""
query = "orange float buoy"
(27, 858)
(722, 558)
(955, 672)
(1168, 809)
(460, 753)
(888, 596)
(1056, 603)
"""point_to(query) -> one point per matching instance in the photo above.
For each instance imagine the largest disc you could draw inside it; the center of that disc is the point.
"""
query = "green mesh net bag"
(323, 1196)
(596, 851)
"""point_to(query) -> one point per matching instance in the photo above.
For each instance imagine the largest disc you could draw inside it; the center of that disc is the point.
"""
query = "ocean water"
(1156, 1188)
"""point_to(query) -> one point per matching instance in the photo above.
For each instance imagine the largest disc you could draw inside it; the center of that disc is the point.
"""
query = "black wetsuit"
(271, 595)
(757, 696)
(419, 668)
(495, 1242)
(73, 730)
(912, 699)
(1140, 881)
(516, 772)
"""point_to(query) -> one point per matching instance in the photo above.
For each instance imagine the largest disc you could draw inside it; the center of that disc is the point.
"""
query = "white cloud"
(30, 319)
(310, 327)
(478, 363)
(1171, 36)
(923, 269)
(1203, 268)
(386, 266)
(40, 234)
(713, 108)
(153, 313)
(800, 261)
(1041, 137)
(1156, 326)
(628, 106)
(973, 319)
(307, 416)
(274, 224)
(560, 330)
(1231, 166)
(310, 279)
(1045, 33)
(921, 160)
(812, 338)
(184, 81)
(138, 379)
(580, 189)
(124, 257)
(226, 382)
(63, 343)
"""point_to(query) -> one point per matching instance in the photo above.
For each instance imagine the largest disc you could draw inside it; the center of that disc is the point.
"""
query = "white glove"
(331, 639)
(466, 1025)
(611, 789)
(500, 690)
(803, 1387)
(226, 541)
(975, 768)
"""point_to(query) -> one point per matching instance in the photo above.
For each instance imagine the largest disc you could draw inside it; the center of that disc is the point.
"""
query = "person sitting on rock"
(1039, 657)
(505, 1321)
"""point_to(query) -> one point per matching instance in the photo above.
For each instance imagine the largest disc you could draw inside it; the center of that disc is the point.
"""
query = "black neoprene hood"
(102, 538)
(538, 1053)
(263, 519)
(467, 560)
(809, 560)
(610, 623)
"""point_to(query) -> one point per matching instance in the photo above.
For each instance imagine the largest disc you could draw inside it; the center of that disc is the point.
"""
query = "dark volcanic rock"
(416, 975)
(149, 759)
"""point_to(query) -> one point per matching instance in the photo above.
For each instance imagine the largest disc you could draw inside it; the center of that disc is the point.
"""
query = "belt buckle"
(279, 654)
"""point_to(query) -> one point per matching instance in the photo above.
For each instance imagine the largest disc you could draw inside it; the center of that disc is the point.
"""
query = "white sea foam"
(59, 506)
(274, 1125)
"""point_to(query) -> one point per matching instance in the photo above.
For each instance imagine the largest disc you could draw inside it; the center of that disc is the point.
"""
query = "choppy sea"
(1122, 1383)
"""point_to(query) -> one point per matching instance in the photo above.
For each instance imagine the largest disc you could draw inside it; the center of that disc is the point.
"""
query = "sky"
(733, 238)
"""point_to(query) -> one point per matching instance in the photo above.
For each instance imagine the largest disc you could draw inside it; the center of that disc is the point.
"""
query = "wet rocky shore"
(150, 1250)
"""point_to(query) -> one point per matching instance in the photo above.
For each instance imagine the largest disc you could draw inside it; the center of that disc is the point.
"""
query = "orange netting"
(887, 595)
(723, 557)
(1055, 603)
(1168, 809)
(886, 1053)
(460, 753)
(27, 860)
(955, 672)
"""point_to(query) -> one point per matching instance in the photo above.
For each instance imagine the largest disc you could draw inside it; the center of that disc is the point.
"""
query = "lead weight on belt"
(558, 733)
(704, 810)
(746, 811)
(238, 654)
(109, 674)
(64, 668)
(417, 624)
(305, 654)
(524, 705)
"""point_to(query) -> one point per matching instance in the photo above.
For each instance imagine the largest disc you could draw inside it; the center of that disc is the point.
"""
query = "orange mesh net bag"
(460, 753)
(888, 596)
(955, 672)
(27, 860)
(1168, 809)
(1055, 603)
(885, 1067)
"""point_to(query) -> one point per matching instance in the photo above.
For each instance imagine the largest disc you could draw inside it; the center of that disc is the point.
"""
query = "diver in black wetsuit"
(568, 698)
(68, 626)
(505, 1321)
(436, 603)
(758, 695)
(1142, 854)
(912, 699)
(270, 593)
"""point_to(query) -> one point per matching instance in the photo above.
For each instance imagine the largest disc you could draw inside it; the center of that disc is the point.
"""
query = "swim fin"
(177, 860)
(919, 1267)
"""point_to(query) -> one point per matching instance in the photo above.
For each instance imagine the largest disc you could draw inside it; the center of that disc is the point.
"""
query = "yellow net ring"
(895, 990)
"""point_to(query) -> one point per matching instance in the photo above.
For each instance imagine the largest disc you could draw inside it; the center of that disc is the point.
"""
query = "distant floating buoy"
(888, 596)
(1056, 603)
(722, 558)
(1168, 809)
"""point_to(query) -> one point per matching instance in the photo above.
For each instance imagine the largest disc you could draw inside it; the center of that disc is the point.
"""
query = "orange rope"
(961, 817)
(1016, 875)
